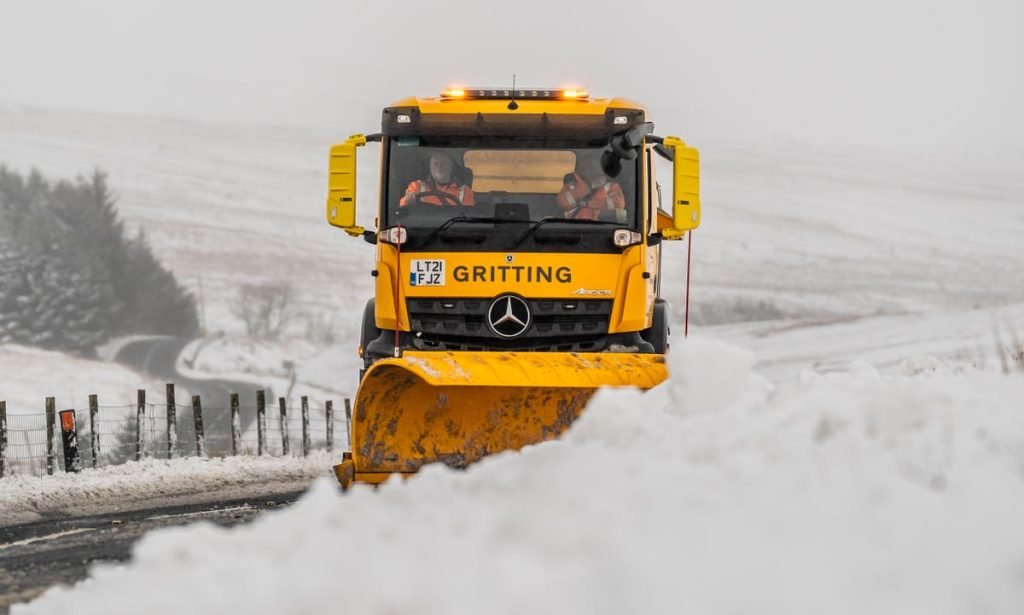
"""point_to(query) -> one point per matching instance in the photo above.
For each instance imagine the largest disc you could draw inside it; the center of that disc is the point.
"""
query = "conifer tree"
(69, 278)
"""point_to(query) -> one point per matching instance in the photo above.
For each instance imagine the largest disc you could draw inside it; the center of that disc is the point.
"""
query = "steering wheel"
(453, 201)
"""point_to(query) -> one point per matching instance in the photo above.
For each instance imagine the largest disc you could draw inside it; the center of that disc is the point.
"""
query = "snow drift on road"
(714, 493)
(151, 481)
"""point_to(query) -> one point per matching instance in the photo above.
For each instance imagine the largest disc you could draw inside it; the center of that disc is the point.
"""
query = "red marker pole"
(69, 436)
(398, 286)
(689, 254)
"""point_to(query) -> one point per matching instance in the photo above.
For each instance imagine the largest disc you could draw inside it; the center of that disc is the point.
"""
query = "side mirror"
(341, 185)
(611, 164)
(685, 187)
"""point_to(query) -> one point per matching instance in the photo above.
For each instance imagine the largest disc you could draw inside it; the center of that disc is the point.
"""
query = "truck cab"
(511, 267)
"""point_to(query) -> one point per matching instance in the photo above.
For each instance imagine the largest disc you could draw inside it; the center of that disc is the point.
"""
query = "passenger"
(588, 194)
(441, 179)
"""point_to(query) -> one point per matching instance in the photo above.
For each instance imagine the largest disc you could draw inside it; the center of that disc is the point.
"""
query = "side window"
(663, 174)
(648, 162)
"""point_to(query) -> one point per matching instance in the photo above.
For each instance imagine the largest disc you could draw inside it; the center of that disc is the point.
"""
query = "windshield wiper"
(462, 218)
(540, 223)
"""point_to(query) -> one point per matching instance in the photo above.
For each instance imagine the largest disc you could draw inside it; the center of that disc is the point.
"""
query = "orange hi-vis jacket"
(579, 200)
(416, 186)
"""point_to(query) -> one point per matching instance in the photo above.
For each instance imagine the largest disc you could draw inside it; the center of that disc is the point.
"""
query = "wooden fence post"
(197, 418)
(51, 417)
(236, 425)
(172, 423)
(329, 413)
(94, 436)
(261, 422)
(284, 425)
(306, 445)
(140, 425)
(3, 438)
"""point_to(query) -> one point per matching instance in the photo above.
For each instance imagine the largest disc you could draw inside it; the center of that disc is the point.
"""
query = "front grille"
(558, 324)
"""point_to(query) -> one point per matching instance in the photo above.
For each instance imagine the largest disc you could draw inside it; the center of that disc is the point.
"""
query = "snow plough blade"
(457, 407)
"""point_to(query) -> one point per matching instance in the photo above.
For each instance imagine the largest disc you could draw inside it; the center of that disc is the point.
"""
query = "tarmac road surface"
(158, 357)
(35, 556)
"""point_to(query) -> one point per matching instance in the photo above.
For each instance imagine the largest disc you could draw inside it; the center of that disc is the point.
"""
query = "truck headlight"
(625, 237)
(395, 235)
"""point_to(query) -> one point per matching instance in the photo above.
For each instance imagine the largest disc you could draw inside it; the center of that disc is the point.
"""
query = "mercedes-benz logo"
(508, 316)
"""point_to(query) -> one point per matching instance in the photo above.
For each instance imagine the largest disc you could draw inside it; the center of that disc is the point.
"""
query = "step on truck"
(518, 269)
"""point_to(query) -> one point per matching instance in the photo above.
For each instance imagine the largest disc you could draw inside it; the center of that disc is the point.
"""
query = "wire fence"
(34, 444)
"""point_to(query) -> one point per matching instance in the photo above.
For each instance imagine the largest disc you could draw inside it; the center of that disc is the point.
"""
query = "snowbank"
(715, 493)
(22, 498)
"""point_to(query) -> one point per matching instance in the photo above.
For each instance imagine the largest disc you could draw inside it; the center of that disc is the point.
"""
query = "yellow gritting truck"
(518, 256)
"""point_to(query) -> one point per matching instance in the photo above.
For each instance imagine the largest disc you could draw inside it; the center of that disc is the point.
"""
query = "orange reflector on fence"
(67, 420)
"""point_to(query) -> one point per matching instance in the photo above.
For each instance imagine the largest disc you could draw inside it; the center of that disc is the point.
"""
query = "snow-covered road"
(36, 556)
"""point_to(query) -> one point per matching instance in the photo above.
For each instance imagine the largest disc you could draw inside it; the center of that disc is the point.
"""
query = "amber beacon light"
(518, 93)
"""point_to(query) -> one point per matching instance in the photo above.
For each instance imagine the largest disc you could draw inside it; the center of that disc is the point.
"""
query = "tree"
(69, 278)
(264, 308)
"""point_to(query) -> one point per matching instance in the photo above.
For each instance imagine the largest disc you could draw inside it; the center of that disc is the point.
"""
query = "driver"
(441, 180)
(588, 193)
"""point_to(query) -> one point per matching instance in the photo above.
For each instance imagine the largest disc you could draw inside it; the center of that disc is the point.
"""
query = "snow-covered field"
(868, 458)
(29, 375)
(717, 492)
(221, 206)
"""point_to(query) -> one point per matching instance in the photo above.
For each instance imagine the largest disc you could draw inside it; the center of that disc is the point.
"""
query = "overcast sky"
(913, 73)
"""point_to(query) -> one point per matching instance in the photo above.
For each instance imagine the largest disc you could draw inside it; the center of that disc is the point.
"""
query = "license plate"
(427, 272)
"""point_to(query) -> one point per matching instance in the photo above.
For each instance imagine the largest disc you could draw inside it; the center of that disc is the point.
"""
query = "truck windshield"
(471, 195)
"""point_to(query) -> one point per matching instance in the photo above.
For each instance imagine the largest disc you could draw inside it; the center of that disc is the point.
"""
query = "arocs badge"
(427, 272)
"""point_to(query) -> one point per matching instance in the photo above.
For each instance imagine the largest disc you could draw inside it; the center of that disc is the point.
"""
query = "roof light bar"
(518, 93)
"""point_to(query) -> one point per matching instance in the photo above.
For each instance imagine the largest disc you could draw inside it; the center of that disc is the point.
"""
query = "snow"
(221, 206)
(960, 339)
(720, 491)
(29, 375)
(293, 367)
(147, 482)
(869, 459)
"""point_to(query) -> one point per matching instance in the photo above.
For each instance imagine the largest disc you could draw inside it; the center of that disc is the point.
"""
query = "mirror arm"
(623, 144)
(665, 152)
